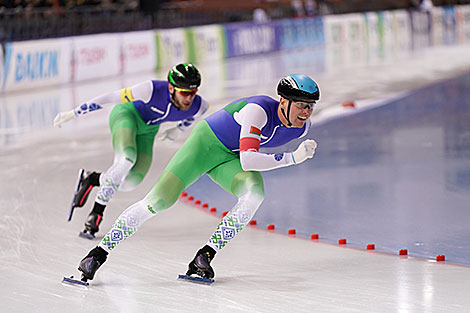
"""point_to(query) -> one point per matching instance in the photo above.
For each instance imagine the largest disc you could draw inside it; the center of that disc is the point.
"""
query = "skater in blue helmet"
(225, 145)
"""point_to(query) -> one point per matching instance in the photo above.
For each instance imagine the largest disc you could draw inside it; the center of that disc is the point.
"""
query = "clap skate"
(201, 267)
(82, 191)
(91, 225)
(88, 266)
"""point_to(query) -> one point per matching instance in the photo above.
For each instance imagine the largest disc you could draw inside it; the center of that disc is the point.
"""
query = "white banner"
(2, 62)
(37, 63)
(356, 28)
(139, 51)
(335, 29)
(172, 47)
(463, 23)
(397, 31)
(208, 43)
(96, 56)
(437, 26)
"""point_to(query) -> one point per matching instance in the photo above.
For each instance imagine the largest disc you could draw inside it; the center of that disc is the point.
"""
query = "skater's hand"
(171, 133)
(63, 117)
(305, 151)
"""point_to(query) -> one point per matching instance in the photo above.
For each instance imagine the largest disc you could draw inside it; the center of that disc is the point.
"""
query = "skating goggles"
(186, 92)
(304, 105)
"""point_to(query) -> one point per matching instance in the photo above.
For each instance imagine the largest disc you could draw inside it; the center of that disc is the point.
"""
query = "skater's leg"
(248, 187)
(125, 125)
(163, 195)
(201, 152)
(144, 142)
(197, 155)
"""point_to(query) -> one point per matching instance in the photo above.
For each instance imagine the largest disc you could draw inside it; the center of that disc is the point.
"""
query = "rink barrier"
(342, 242)
(40, 63)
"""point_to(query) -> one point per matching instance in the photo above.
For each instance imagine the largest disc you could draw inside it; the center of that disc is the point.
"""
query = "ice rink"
(259, 271)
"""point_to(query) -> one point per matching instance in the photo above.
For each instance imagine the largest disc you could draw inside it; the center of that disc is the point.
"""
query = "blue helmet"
(298, 87)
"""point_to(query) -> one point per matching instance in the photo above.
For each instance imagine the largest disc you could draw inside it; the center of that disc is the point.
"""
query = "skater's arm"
(174, 132)
(182, 125)
(253, 118)
(142, 91)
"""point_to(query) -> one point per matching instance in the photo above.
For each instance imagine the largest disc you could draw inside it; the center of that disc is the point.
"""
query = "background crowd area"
(38, 19)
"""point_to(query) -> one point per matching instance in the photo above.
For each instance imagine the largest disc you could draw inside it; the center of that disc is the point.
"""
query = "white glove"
(171, 134)
(305, 151)
(63, 117)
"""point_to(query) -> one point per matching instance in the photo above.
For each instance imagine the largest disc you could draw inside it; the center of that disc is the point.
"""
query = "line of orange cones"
(291, 232)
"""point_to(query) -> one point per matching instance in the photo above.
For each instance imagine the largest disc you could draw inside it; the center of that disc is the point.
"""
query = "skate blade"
(74, 282)
(86, 235)
(197, 280)
(81, 172)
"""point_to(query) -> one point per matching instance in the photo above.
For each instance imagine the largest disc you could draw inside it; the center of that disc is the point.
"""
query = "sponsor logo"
(89, 56)
(36, 65)
(150, 208)
(254, 40)
(137, 50)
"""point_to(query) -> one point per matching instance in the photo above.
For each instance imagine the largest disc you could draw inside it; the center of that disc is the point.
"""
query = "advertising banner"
(172, 47)
(373, 29)
(420, 29)
(247, 38)
(437, 26)
(355, 30)
(300, 33)
(449, 21)
(335, 29)
(400, 23)
(463, 23)
(96, 56)
(38, 63)
(206, 43)
(139, 51)
(2, 62)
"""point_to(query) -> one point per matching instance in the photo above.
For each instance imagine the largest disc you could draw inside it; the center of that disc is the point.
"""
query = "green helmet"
(184, 75)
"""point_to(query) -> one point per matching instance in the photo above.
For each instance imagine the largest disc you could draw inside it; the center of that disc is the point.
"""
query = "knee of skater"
(155, 205)
(253, 199)
(130, 154)
(127, 186)
(131, 181)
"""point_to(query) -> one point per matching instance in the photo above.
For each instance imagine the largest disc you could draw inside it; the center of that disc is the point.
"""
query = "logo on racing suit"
(278, 156)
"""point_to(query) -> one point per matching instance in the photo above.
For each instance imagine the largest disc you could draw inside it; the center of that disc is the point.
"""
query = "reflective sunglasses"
(304, 105)
(186, 92)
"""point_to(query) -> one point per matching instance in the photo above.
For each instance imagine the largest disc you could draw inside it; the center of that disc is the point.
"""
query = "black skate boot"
(92, 225)
(87, 181)
(92, 262)
(200, 265)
